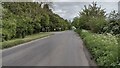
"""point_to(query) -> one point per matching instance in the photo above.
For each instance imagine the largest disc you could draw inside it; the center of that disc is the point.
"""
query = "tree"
(26, 18)
(113, 25)
(92, 18)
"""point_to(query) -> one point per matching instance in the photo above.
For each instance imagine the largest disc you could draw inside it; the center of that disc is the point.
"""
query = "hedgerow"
(20, 19)
(103, 47)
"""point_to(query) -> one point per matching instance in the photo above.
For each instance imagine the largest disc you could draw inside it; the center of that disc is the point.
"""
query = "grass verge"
(103, 47)
(14, 42)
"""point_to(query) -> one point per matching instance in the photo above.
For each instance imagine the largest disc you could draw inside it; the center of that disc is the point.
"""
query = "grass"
(14, 42)
(103, 47)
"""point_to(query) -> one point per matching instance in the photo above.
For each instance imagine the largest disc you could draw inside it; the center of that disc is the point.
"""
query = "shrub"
(104, 48)
(96, 24)
(21, 19)
(8, 29)
(112, 27)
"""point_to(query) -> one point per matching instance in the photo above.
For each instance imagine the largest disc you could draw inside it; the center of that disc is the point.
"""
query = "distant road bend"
(62, 49)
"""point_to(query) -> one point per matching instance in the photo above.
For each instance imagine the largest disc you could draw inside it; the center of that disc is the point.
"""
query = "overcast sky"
(69, 10)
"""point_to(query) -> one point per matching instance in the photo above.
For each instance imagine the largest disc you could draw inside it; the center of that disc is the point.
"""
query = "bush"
(104, 48)
(118, 38)
(96, 24)
(112, 27)
(83, 22)
(22, 19)
(14, 42)
(8, 29)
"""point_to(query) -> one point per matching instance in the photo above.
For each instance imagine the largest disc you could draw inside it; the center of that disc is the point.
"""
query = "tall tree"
(26, 18)
(92, 17)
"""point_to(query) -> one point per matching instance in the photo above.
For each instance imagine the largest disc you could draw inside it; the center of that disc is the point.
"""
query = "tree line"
(96, 19)
(25, 18)
(100, 32)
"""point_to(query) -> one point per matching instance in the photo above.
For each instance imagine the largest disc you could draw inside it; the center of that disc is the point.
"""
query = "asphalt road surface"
(61, 49)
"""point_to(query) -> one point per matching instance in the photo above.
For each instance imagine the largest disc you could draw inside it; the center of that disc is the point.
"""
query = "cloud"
(69, 10)
(59, 11)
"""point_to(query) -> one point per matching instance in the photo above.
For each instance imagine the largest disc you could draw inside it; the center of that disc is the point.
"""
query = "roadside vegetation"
(20, 19)
(100, 33)
(103, 47)
(17, 41)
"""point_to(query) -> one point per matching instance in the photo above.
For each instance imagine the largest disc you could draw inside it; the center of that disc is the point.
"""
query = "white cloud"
(69, 10)
(58, 11)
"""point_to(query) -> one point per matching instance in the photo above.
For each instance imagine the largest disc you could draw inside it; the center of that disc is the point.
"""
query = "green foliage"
(102, 39)
(76, 23)
(104, 48)
(26, 18)
(96, 24)
(91, 18)
(8, 26)
(93, 11)
(118, 38)
(57, 23)
(113, 26)
(8, 29)
(94, 18)
(13, 42)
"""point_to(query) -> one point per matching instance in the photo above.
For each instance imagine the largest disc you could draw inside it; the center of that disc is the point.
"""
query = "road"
(61, 49)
